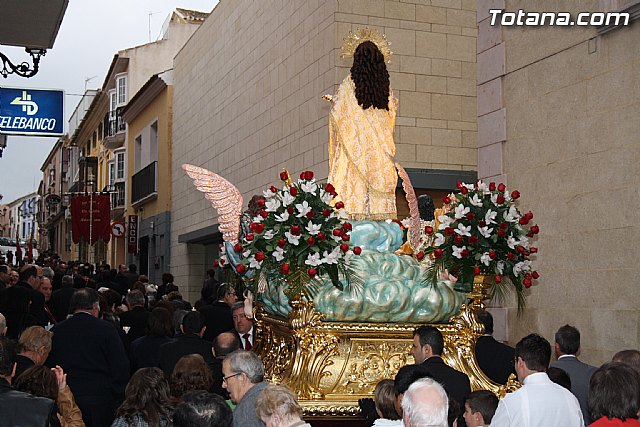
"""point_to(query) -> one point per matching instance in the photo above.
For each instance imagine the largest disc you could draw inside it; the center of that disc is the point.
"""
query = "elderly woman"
(35, 345)
(614, 396)
(277, 406)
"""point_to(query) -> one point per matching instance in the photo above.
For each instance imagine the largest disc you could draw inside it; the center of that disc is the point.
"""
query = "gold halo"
(353, 40)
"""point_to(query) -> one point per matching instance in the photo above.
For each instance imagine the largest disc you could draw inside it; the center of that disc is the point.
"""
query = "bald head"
(224, 344)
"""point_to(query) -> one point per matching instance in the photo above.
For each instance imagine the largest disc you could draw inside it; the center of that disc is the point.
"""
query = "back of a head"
(225, 343)
(133, 268)
(67, 281)
(486, 319)
(426, 207)
(83, 299)
(629, 358)
(147, 394)
(167, 278)
(190, 373)
(160, 323)
(8, 356)
(432, 336)
(248, 363)
(370, 76)
(192, 322)
(280, 401)
(407, 375)
(384, 398)
(568, 339)
(34, 338)
(425, 403)
(560, 377)
(484, 402)
(48, 272)
(535, 351)
(28, 271)
(202, 409)
(38, 380)
(614, 392)
(135, 298)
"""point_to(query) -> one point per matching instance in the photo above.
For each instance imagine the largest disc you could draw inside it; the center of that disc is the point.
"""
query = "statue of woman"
(361, 123)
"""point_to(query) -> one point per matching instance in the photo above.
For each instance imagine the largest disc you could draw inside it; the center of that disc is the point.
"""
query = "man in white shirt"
(539, 402)
(243, 326)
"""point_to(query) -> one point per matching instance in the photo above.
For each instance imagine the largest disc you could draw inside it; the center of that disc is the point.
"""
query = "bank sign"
(31, 111)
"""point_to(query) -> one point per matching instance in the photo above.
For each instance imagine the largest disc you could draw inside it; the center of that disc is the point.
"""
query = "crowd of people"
(103, 347)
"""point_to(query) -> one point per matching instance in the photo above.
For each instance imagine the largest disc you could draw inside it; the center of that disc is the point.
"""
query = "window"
(112, 172)
(153, 148)
(113, 102)
(138, 153)
(120, 166)
(121, 88)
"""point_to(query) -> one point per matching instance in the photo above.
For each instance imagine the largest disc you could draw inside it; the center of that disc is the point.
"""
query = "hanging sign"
(31, 111)
(132, 238)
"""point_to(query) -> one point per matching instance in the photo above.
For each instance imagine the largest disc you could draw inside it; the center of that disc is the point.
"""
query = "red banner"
(90, 218)
(132, 234)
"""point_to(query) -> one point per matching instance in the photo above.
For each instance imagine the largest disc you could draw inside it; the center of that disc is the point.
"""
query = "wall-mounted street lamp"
(23, 69)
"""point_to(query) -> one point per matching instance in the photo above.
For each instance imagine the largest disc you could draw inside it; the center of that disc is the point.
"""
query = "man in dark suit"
(494, 358)
(61, 298)
(217, 316)
(190, 342)
(567, 347)
(243, 326)
(136, 317)
(428, 344)
(91, 353)
(30, 279)
(225, 343)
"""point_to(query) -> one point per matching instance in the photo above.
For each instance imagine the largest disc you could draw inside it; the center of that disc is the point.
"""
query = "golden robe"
(361, 155)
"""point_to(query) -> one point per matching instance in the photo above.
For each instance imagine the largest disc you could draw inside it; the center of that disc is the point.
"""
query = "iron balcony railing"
(144, 183)
(113, 123)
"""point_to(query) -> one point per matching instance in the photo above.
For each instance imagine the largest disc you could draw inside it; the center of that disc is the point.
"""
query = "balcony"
(117, 200)
(144, 185)
(114, 129)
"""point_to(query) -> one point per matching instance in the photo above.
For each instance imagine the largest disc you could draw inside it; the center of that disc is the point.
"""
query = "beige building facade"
(247, 101)
(558, 120)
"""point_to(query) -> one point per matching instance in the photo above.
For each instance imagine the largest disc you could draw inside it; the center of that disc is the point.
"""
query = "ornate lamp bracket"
(23, 69)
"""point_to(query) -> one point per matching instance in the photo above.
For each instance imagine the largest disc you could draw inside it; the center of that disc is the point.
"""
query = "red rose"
(260, 202)
(326, 212)
(295, 230)
(527, 282)
(533, 250)
(511, 256)
(470, 216)
(457, 239)
(259, 228)
(473, 240)
(237, 247)
(273, 189)
(284, 268)
(290, 210)
(476, 270)
(357, 250)
(264, 214)
(284, 176)
(446, 200)
(482, 223)
(448, 231)
(215, 263)
(252, 226)
(344, 247)
(345, 237)
(515, 194)
(464, 190)
(339, 205)
(293, 190)
(249, 237)
(321, 236)
(504, 225)
(241, 269)
(501, 187)
(259, 256)
(465, 253)
(458, 184)
(420, 256)
(347, 226)
(492, 254)
(310, 214)
(310, 241)
(529, 215)
(502, 233)
(301, 175)
(520, 248)
(308, 175)
(535, 229)
(221, 262)
(498, 278)
(437, 254)
(312, 272)
(523, 220)
(492, 186)
(282, 242)
(329, 189)
(337, 232)
(500, 200)
(535, 274)
(529, 234)
(428, 230)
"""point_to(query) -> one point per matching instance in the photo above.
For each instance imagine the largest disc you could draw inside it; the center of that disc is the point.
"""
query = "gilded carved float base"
(330, 365)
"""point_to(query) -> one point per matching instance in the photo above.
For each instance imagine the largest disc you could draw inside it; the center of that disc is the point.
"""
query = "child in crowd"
(479, 408)
(384, 398)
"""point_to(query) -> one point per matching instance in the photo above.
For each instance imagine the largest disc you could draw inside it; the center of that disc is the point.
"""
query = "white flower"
(294, 240)
(511, 215)
(278, 254)
(500, 267)
(342, 214)
(287, 199)
(313, 259)
(282, 217)
(476, 201)
(303, 208)
(494, 198)
(461, 211)
(463, 231)
(254, 264)
(309, 187)
(257, 219)
(469, 186)
(325, 197)
(482, 187)
(485, 231)
(445, 221)
(331, 258)
(224, 258)
(336, 238)
(490, 216)
(269, 234)
(313, 229)
(521, 267)
(512, 242)
(405, 222)
(485, 259)
(245, 254)
(439, 239)
(268, 194)
(347, 256)
(457, 252)
(524, 242)
(272, 205)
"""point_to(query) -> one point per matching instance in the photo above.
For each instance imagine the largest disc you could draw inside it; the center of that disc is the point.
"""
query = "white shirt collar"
(567, 355)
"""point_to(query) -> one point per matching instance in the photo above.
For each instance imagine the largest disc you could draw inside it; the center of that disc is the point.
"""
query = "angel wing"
(414, 222)
(224, 197)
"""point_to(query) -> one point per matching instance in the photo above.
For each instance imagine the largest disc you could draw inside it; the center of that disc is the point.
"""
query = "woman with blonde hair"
(277, 406)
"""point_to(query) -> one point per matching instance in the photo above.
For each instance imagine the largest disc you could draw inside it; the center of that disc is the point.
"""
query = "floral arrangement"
(297, 231)
(480, 231)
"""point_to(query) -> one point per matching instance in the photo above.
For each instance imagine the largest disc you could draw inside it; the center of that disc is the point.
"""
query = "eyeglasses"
(228, 377)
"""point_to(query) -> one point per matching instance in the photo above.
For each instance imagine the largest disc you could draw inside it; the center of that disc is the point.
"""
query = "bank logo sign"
(31, 111)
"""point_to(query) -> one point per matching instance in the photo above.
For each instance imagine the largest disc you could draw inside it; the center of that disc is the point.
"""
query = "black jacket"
(136, 319)
(23, 409)
(183, 345)
(217, 319)
(495, 359)
(455, 383)
(59, 302)
(37, 303)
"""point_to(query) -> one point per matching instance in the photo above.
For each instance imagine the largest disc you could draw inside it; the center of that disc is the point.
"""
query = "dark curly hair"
(38, 380)
(370, 75)
(190, 373)
(147, 396)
